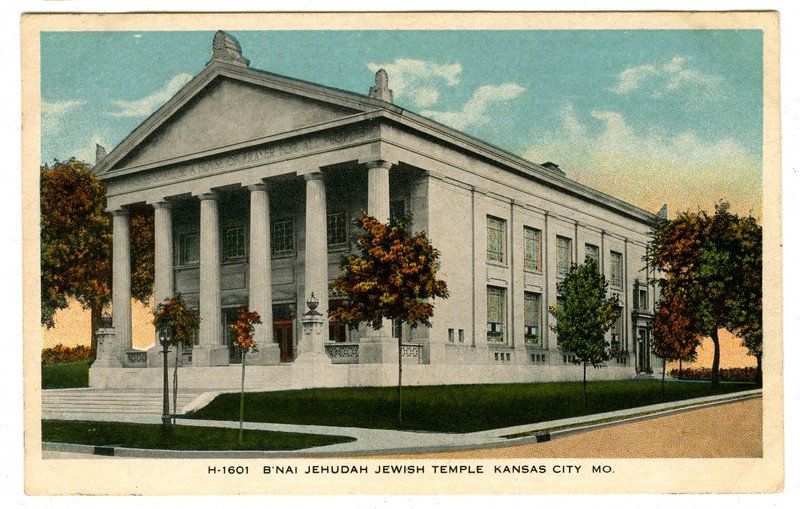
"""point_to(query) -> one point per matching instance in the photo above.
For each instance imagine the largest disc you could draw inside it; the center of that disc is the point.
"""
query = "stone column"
(163, 260)
(378, 190)
(261, 275)
(164, 280)
(316, 261)
(211, 351)
(121, 284)
(377, 346)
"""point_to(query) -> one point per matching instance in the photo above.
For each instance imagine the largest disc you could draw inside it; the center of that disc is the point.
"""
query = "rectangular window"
(451, 335)
(533, 249)
(533, 314)
(616, 334)
(337, 229)
(593, 252)
(616, 269)
(561, 304)
(496, 239)
(495, 313)
(563, 256)
(643, 304)
(460, 335)
(283, 237)
(189, 248)
(233, 243)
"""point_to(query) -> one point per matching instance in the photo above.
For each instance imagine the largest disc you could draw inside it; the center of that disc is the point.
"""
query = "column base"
(267, 355)
(216, 355)
(107, 361)
(377, 350)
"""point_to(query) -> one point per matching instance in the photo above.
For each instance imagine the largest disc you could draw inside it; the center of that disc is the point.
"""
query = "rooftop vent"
(551, 166)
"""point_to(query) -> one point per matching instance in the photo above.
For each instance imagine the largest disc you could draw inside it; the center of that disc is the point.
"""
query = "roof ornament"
(99, 153)
(381, 89)
(663, 214)
(227, 49)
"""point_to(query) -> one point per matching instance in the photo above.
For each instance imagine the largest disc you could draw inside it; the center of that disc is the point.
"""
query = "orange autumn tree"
(76, 243)
(243, 329)
(675, 332)
(392, 277)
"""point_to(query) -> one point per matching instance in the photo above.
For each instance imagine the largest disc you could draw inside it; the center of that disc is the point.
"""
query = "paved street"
(731, 430)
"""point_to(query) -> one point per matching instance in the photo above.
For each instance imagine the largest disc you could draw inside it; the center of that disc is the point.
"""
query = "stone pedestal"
(267, 355)
(106, 355)
(210, 355)
(377, 349)
(312, 346)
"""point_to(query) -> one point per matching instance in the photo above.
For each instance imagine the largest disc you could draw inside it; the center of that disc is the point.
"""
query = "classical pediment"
(225, 113)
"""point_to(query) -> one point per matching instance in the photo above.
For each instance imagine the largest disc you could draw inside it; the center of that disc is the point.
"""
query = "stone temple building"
(255, 179)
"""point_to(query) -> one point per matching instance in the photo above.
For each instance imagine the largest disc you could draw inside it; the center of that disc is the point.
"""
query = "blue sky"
(649, 116)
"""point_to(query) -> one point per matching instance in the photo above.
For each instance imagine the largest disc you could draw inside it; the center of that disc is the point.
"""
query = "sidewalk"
(379, 441)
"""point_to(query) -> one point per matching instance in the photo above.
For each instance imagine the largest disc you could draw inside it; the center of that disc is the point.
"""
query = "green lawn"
(59, 376)
(193, 438)
(454, 408)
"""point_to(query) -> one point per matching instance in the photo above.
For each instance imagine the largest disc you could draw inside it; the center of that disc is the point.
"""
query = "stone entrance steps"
(109, 401)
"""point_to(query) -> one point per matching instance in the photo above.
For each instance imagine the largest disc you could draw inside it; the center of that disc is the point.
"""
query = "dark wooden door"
(283, 334)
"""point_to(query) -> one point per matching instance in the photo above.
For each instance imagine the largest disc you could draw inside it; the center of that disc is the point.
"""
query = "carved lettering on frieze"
(238, 161)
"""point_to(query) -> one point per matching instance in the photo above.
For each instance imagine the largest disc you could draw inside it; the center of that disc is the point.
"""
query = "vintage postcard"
(407, 253)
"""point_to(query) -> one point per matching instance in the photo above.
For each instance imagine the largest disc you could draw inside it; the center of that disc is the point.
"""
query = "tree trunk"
(175, 382)
(97, 314)
(715, 364)
(241, 398)
(759, 373)
(585, 397)
(663, 374)
(680, 369)
(400, 379)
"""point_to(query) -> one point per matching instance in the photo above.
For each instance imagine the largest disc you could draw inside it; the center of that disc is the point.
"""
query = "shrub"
(726, 374)
(61, 354)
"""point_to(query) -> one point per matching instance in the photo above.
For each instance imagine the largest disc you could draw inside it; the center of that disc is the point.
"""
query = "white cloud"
(419, 80)
(474, 110)
(672, 76)
(53, 113)
(147, 105)
(652, 167)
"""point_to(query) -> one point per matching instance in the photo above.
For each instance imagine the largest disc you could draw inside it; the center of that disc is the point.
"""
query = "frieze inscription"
(239, 160)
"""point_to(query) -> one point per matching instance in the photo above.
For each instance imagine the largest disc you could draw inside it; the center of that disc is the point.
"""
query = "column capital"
(162, 205)
(120, 212)
(380, 163)
(317, 175)
(210, 195)
(261, 186)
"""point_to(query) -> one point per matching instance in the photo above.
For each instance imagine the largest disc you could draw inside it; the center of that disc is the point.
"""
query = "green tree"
(675, 334)
(184, 322)
(713, 262)
(392, 277)
(585, 317)
(76, 243)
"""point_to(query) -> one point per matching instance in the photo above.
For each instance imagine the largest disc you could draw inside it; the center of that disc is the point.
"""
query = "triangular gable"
(225, 106)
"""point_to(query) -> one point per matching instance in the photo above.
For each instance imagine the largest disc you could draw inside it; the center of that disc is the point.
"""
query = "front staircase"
(56, 402)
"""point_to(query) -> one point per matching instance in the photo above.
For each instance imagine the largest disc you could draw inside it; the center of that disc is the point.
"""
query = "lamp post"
(165, 339)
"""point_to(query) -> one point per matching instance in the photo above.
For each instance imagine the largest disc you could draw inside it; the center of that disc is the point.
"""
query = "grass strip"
(453, 408)
(62, 376)
(187, 438)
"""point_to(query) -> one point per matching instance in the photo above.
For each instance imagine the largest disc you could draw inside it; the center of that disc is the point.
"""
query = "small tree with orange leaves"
(243, 328)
